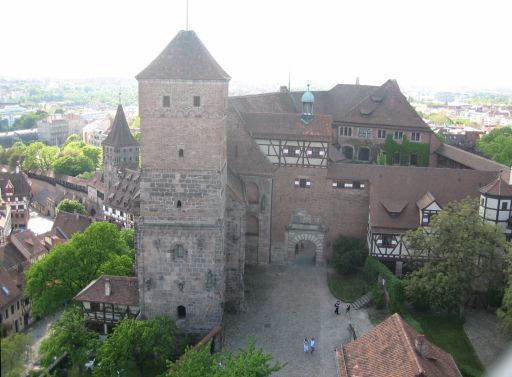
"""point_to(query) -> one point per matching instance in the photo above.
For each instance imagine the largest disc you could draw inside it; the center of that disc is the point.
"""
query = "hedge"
(372, 269)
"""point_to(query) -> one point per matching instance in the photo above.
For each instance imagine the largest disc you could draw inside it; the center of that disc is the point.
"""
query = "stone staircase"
(363, 301)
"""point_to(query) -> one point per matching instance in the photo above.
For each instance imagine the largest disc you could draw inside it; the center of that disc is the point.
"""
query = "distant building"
(394, 349)
(13, 316)
(107, 300)
(122, 203)
(55, 129)
(15, 192)
(96, 132)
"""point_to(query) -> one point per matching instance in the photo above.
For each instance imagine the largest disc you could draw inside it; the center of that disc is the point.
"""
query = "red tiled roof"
(425, 200)
(390, 350)
(469, 159)
(288, 126)
(497, 188)
(185, 58)
(124, 290)
(68, 224)
(8, 289)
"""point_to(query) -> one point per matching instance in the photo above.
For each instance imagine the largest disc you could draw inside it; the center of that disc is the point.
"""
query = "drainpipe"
(270, 233)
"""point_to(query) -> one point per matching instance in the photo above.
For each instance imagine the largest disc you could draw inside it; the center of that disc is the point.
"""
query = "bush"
(495, 296)
(372, 270)
(349, 253)
(378, 297)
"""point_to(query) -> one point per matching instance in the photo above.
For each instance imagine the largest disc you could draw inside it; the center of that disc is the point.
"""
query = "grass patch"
(347, 288)
(447, 333)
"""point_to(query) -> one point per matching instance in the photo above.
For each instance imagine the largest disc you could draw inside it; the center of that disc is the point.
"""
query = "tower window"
(167, 101)
(180, 153)
(178, 204)
(182, 312)
(197, 101)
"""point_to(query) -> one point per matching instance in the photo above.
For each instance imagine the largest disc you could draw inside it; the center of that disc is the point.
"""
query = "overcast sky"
(444, 44)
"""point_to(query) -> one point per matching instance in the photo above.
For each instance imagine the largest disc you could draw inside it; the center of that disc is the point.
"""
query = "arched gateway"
(305, 227)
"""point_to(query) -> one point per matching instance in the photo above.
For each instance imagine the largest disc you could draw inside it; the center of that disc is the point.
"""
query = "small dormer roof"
(425, 200)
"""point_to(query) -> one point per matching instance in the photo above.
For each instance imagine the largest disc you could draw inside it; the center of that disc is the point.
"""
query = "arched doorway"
(308, 231)
(305, 252)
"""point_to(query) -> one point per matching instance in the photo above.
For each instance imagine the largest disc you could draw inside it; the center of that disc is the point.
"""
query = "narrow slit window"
(180, 153)
(178, 204)
(167, 101)
(197, 101)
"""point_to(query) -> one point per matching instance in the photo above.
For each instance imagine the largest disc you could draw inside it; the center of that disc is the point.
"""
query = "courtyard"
(286, 303)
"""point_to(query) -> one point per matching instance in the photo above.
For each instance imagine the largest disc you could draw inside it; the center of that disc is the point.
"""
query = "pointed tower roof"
(185, 58)
(498, 187)
(120, 135)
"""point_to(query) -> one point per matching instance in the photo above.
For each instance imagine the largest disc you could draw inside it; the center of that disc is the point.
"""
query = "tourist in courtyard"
(312, 344)
(306, 345)
(337, 307)
(347, 311)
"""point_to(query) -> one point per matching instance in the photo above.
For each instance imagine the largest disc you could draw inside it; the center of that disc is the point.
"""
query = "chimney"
(108, 287)
(420, 345)
(283, 89)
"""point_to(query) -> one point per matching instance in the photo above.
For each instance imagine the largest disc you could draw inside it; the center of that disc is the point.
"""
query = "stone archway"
(305, 227)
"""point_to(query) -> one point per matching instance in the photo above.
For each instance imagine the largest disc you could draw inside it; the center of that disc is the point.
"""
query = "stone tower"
(120, 150)
(180, 234)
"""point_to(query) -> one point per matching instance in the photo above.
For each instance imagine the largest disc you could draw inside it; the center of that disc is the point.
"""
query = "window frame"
(196, 101)
(381, 134)
(166, 101)
(398, 135)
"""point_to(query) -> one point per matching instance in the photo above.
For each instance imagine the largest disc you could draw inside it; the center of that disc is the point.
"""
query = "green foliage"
(461, 238)
(347, 288)
(27, 121)
(144, 343)
(497, 145)
(13, 351)
(71, 206)
(252, 362)
(39, 156)
(406, 149)
(349, 254)
(13, 154)
(136, 123)
(73, 165)
(94, 154)
(378, 297)
(504, 313)
(128, 235)
(373, 269)
(439, 118)
(381, 158)
(70, 335)
(72, 139)
(61, 274)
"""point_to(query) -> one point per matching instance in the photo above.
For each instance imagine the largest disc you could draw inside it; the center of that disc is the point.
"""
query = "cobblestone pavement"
(285, 304)
(480, 327)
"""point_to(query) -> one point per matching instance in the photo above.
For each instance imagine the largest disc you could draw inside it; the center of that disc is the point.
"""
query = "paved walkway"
(480, 327)
(286, 303)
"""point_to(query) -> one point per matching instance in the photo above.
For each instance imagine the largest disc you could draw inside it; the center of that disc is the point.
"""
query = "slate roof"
(124, 290)
(468, 159)
(184, 58)
(497, 188)
(8, 289)
(125, 194)
(120, 135)
(66, 224)
(389, 350)
(410, 184)
(288, 126)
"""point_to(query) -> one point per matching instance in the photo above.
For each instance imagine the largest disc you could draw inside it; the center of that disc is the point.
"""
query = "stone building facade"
(230, 181)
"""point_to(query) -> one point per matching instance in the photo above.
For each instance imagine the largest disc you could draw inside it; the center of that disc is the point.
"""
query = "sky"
(435, 44)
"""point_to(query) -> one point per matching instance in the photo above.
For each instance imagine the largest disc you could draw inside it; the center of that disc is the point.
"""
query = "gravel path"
(286, 303)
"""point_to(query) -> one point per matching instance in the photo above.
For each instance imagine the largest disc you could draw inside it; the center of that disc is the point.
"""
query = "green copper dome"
(308, 97)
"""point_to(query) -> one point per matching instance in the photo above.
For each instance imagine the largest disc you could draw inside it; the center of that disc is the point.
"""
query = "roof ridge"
(399, 322)
(470, 153)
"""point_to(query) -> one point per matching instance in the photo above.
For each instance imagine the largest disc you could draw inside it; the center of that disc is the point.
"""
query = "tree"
(72, 139)
(94, 154)
(70, 335)
(463, 256)
(14, 154)
(73, 165)
(349, 254)
(71, 206)
(13, 349)
(504, 313)
(39, 156)
(251, 362)
(61, 274)
(497, 145)
(141, 342)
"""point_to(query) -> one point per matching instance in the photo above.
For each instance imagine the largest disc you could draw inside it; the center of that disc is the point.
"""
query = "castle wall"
(343, 211)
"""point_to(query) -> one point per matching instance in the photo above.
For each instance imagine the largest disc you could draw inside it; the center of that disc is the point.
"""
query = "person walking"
(337, 307)
(347, 311)
(306, 345)
(312, 345)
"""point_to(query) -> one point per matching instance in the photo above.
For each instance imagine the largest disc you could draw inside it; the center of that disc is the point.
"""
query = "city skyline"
(455, 44)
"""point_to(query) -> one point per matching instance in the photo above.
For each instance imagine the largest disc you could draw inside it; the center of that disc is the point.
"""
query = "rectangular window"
(414, 159)
(381, 134)
(399, 135)
(387, 240)
(7, 314)
(12, 309)
(345, 131)
(302, 183)
(396, 158)
(18, 305)
(364, 133)
(415, 136)
(167, 101)
(285, 151)
(504, 205)
(197, 101)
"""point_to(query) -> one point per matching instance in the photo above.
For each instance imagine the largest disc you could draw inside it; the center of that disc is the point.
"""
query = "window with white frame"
(381, 134)
(415, 136)
(303, 182)
(399, 135)
(364, 133)
(345, 131)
